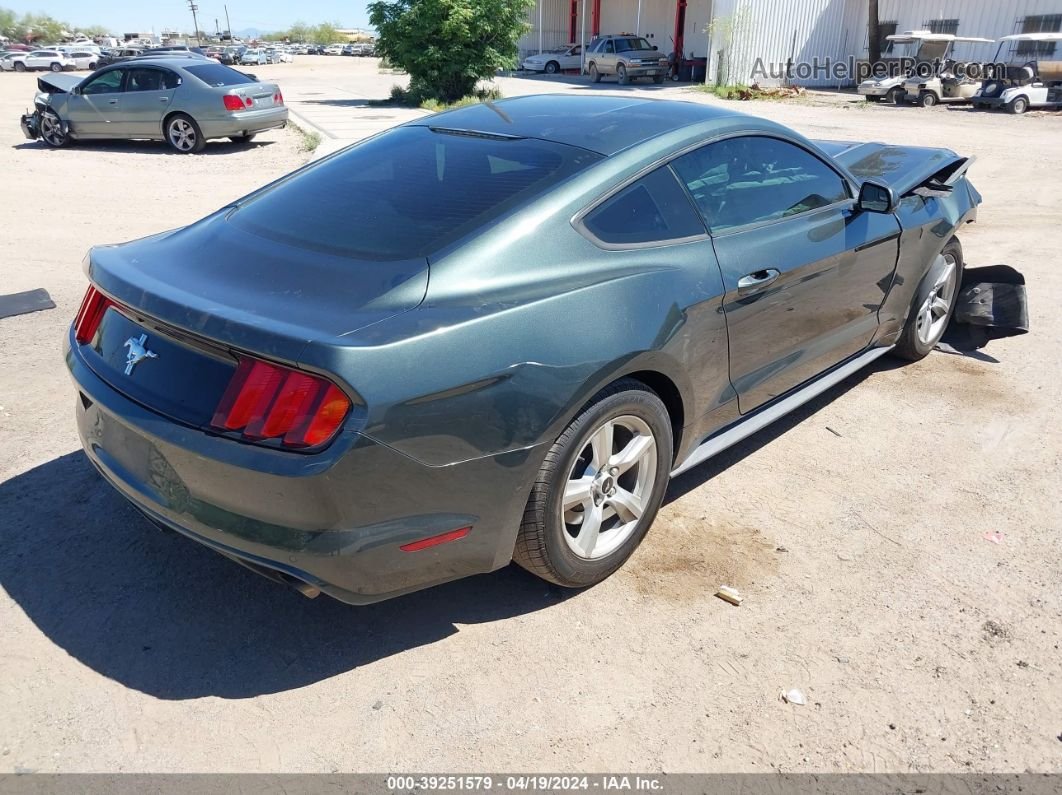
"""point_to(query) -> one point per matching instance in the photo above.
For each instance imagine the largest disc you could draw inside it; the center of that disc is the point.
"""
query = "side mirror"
(874, 198)
(655, 47)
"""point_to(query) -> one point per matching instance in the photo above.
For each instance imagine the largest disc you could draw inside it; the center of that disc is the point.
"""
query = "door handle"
(112, 102)
(164, 99)
(757, 280)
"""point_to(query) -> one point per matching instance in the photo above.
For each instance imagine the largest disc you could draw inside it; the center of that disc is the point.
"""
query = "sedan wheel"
(552, 68)
(19, 66)
(599, 488)
(183, 135)
(56, 67)
(52, 132)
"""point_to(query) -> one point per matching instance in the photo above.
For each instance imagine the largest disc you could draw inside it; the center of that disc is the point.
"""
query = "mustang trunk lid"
(202, 292)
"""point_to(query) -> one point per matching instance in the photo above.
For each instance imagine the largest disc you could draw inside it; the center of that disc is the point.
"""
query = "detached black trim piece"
(24, 303)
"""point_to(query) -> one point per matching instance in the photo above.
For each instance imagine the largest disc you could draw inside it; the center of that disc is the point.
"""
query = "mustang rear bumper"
(335, 520)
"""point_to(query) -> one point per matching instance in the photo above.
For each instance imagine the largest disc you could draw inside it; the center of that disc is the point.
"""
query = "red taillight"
(278, 98)
(90, 314)
(267, 401)
(233, 102)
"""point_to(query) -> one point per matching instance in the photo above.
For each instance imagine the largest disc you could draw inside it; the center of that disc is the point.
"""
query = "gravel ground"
(856, 529)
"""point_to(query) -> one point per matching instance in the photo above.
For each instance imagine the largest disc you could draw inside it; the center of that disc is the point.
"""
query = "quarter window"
(752, 179)
(653, 209)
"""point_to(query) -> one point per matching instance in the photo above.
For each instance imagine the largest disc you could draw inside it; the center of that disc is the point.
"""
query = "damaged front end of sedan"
(44, 120)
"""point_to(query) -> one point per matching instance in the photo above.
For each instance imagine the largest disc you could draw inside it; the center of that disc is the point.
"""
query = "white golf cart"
(919, 46)
(947, 85)
(1033, 84)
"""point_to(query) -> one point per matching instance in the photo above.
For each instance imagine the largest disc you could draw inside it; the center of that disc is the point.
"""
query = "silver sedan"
(183, 101)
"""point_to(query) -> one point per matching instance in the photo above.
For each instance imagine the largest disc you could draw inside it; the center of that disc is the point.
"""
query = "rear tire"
(183, 134)
(599, 488)
(931, 310)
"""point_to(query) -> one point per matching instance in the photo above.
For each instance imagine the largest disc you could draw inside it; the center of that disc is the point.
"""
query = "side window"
(106, 83)
(610, 47)
(751, 179)
(170, 79)
(144, 80)
(654, 209)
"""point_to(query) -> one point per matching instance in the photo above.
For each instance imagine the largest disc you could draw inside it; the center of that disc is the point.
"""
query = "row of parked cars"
(57, 59)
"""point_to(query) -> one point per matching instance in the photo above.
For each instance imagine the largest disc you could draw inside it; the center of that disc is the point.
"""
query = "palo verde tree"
(447, 46)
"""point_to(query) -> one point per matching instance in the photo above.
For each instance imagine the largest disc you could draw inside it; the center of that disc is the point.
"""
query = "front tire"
(932, 308)
(621, 73)
(896, 96)
(56, 67)
(595, 76)
(1018, 105)
(552, 68)
(52, 132)
(599, 488)
(183, 134)
(927, 99)
(19, 66)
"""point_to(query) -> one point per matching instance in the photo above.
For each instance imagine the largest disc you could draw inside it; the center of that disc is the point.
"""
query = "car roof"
(602, 124)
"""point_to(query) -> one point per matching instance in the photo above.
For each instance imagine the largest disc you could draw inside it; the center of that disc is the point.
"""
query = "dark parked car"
(551, 306)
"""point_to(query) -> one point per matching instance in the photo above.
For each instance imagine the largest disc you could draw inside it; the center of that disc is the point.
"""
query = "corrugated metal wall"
(773, 31)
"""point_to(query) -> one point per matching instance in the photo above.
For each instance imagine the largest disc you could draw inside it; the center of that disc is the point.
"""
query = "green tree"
(9, 24)
(92, 31)
(447, 46)
(43, 28)
(299, 32)
(325, 33)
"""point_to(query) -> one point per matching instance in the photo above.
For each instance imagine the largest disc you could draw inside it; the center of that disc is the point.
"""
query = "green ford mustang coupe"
(494, 334)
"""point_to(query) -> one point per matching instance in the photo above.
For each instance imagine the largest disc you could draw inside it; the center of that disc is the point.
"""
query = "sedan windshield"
(408, 193)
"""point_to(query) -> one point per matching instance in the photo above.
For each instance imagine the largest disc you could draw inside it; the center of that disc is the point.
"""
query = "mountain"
(250, 33)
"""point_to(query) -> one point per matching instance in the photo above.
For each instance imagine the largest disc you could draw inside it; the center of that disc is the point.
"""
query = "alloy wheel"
(609, 487)
(52, 130)
(935, 311)
(182, 135)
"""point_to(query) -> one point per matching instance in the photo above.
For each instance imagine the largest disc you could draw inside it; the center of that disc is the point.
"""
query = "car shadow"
(160, 614)
(222, 147)
(701, 474)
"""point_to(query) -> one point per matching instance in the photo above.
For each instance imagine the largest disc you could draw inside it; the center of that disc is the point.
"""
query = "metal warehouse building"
(777, 31)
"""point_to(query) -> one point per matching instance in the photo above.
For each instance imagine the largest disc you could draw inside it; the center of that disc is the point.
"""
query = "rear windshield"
(408, 193)
(215, 74)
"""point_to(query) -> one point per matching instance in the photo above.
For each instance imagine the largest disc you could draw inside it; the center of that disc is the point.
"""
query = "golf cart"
(1034, 84)
(948, 84)
(914, 46)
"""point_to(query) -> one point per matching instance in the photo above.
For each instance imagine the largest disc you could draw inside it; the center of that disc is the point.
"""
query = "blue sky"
(143, 15)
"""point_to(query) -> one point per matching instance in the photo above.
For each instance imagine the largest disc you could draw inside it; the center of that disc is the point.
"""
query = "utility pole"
(192, 5)
(228, 25)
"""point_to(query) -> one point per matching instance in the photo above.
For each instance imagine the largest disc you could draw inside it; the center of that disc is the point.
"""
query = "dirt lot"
(856, 529)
